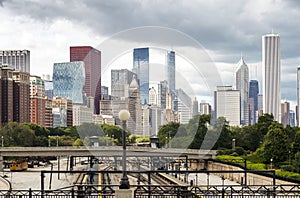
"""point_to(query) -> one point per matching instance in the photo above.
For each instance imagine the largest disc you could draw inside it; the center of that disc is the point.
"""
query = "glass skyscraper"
(171, 70)
(68, 81)
(253, 93)
(141, 68)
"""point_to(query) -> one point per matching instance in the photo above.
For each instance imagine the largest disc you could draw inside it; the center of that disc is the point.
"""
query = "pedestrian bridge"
(106, 151)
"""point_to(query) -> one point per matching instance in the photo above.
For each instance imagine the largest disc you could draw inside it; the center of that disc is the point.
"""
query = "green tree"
(78, 142)
(114, 132)
(167, 131)
(275, 145)
(264, 122)
(225, 135)
(203, 121)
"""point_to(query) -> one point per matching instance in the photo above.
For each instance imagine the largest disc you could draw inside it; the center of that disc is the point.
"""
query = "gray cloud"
(226, 28)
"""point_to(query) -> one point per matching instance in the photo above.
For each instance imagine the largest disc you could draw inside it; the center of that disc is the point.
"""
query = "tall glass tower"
(171, 70)
(271, 74)
(141, 68)
(253, 95)
(242, 84)
(68, 81)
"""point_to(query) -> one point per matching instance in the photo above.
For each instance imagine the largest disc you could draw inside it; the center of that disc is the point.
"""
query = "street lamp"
(271, 162)
(57, 140)
(2, 140)
(49, 141)
(124, 116)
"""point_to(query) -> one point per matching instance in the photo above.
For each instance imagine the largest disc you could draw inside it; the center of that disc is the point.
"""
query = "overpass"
(106, 151)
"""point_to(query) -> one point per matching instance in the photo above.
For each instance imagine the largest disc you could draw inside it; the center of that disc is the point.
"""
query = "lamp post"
(124, 116)
(2, 141)
(57, 140)
(271, 162)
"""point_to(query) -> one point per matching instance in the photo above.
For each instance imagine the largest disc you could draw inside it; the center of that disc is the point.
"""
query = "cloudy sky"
(224, 28)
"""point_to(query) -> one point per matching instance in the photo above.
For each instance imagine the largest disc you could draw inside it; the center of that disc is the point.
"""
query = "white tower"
(271, 74)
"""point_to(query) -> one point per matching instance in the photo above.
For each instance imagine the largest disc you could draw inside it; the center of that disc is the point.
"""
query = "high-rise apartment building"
(19, 59)
(68, 81)
(92, 64)
(134, 107)
(21, 97)
(253, 97)
(271, 74)
(141, 68)
(48, 86)
(228, 104)
(120, 81)
(242, 84)
(37, 100)
(7, 94)
(171, 70)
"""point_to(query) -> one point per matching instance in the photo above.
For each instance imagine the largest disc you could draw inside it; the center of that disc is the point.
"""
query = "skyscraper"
(195, 107)
(253, 96)
(242, 84)
(184, 106)
(227, 104)
(68, 81)
(19, 59)
(285, 113)
(162, 94)
(152, 96)
(171, 70)
(92, 64)
(141, 68)
(271, 74)
(37, 100)
(298, 96)
(120, 81)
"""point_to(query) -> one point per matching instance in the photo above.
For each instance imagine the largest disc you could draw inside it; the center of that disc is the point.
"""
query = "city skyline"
(57, 29)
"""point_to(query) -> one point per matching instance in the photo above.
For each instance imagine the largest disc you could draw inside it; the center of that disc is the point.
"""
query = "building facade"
(19, 59)
(7, 94)
(242, 84)
(141, 68)
(152, 96)
(271, 74)
(171, 70)
(253, 97)
(68, 81)
(205, 108)
(92, 65)
(227, 104)
(184, 106)
(62, 111)
(162, 94)
(285, 113)
(37, 100)
(120, 81)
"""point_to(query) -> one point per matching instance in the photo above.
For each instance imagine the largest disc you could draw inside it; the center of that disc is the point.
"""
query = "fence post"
(30, 193)
(149, 184)
(72, 193)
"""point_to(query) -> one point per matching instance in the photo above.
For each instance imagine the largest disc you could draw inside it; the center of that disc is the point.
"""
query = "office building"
(227, 104)
(92, 65)
(104, 93)
(37, 100)
(253, 100)
(82, 114)
(18, 59)
(242, 84)
(271, 74)
(298, 96)
(62, 111)
(162, 94)
(195, 107)
(141, 68)
(134, 107)
(285, 113)
(48, 85)
(292, 118)
(68, 81)
(205, 108)
(48, 113)
(184, 106)
(171, 70)
(120, 81)
(152, 96)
